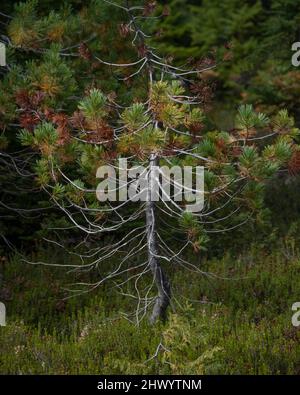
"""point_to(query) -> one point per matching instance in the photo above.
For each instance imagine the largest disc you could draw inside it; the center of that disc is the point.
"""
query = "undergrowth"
(235, 321)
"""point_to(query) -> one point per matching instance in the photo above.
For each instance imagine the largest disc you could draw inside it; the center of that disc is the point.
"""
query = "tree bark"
(162, 283)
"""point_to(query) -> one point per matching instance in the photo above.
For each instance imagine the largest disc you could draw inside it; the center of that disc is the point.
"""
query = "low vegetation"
(239, 323)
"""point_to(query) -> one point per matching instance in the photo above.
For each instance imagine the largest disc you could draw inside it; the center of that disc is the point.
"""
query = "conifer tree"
(154, 117)
(251, 41)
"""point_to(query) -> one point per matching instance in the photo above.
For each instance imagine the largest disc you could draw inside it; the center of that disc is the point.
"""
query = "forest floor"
(238, 322)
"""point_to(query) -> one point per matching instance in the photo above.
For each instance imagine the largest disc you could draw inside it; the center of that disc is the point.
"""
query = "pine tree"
(155, 117)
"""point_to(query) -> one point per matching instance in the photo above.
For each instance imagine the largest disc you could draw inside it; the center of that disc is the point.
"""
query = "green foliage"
(150, 139)
(90, 157)
(196, 115)
(279, 153)
(210, 181)
(52, 75)
(282, 150)
(248, 157)
(247, 118)
(207, 148)
(58, 191)
(285, 123)
(194, 231)
(135, 117)
(22, 28)
(242, 326)
(188, 221)
(42, 172)
(249, 41)
(43, 137)
(177, 338)
(75, 191)
(26, 138)
(94, 105)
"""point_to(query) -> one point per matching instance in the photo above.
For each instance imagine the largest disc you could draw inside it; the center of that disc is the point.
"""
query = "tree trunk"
(163, 286)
